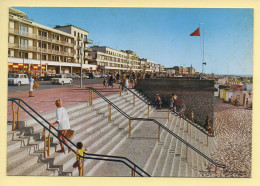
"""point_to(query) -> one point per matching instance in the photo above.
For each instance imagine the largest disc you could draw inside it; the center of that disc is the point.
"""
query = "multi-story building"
(36, 48)
(111, 60)
(81, 42)
(184, 70)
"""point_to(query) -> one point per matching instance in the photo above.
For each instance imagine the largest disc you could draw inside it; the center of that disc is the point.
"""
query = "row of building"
(36, 48)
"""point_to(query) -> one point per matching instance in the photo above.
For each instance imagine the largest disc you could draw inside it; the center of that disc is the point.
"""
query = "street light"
(81, 53)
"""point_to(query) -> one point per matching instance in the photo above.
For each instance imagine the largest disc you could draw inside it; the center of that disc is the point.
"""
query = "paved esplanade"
(44, 100)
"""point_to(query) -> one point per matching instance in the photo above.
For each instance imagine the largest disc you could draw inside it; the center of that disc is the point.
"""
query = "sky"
(163, 34)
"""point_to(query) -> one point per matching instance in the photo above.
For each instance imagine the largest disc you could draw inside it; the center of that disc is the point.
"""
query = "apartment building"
(184, 70)
(148, 65)
(81, 42)
(36, 48)
(111, 60)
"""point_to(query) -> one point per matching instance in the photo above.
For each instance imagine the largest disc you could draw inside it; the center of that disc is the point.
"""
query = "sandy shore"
(233, 127)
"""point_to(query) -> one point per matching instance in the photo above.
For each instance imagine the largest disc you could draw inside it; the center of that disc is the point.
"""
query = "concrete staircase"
(25, 146)
(167, 158)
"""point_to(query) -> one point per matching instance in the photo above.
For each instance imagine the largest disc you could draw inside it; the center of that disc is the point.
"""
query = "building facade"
(36, 48)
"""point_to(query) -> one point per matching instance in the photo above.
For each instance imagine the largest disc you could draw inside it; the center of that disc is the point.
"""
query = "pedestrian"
(171, 102)
(111, 81)
(104, 83)
(80, 152)
(158, 101)
(175, 101)
(207, 127)
(31, 82)
(62, 119)
(182, 108)
(126, 84)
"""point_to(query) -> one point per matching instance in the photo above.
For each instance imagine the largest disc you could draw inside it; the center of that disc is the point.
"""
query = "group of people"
(182, 109)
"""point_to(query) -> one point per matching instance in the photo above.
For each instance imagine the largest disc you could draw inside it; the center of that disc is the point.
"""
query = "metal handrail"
(201, 130)
(162, 126)
(89, 154)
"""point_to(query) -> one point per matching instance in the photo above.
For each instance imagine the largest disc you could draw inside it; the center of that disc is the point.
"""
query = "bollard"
(168, 115)
(79, 166)
(134, 100)
(120, 90)
(129, 128)
(207, 141)
(13, 127)
(18, 111)
(109, 112)
(44, 143)
(90, 97)
(187, 128)
(148, 111)
(216, 168)
(49, 142)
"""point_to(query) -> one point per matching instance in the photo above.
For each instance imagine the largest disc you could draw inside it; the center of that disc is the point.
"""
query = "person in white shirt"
(64, 124)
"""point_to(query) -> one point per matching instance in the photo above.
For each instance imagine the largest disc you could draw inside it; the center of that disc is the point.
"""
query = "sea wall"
(198, 95)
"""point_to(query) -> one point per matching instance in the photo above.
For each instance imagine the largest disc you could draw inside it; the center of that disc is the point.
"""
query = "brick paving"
(234, 138)
(44, 100)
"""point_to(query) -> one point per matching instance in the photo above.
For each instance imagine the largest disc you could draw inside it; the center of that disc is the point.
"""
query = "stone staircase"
(25, 146)
(167, 158)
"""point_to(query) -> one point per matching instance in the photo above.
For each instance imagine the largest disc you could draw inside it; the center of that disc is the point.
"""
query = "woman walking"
(62, 119)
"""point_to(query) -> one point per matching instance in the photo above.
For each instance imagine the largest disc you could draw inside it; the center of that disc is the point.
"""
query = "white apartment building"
(111, 60)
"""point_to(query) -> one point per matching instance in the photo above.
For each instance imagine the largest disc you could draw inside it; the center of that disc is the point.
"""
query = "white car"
(18, 79)
(73, 76)
(61, 79)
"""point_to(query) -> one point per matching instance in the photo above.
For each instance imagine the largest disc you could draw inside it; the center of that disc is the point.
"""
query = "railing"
(197, 127)
(91, 89)
(119, 159)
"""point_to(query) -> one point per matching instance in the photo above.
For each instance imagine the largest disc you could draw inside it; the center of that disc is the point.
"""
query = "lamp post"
(81, 52)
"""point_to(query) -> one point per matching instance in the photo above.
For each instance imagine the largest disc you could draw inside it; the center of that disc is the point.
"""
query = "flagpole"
(203, 50)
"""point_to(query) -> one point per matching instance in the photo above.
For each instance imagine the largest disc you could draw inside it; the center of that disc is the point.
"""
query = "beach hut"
(249, 86)
(248, 99)
(239, 96)
(216, 93)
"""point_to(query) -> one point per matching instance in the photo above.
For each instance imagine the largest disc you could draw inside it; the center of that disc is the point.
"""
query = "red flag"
(196, 32)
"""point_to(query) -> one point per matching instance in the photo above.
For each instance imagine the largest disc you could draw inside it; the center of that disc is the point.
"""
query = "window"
(23, 30)
(81, 35)
(74, 33)
(23, 55)
(23, 43)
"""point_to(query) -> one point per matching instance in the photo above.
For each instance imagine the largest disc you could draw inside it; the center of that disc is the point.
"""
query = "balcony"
(88, 57)
(21, 33)
(21, 47)
(88, 41)
(87, 49)
(79, 38)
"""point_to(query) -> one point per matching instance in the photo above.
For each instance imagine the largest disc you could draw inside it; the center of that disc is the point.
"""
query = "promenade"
(44, 100)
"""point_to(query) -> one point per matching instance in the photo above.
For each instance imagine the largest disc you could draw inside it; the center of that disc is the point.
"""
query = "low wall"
(198, 95)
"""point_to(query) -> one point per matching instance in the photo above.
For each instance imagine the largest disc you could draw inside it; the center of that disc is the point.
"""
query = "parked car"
(103, 75)
(46, 78)
(88, 76)
(18, 79)
(73, 76)
(97, 75)
(61, 79)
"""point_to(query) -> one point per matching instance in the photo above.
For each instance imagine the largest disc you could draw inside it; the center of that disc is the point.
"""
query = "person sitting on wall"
(207, 127)
(182, 108)
(158, 101)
